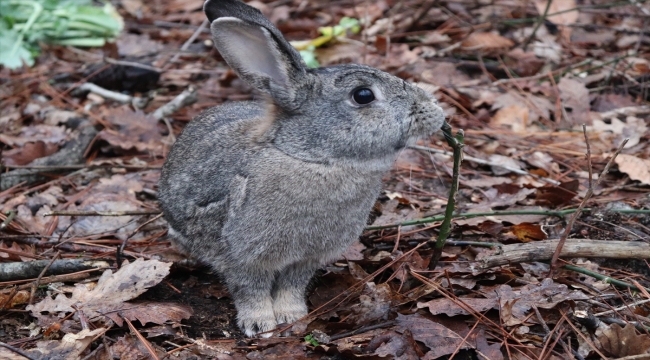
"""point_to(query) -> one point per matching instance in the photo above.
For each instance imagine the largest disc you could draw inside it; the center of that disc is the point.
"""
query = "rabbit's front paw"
(255, 322)
(289, 307)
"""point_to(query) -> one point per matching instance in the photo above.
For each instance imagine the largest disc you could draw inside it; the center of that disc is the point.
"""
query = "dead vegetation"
(87, 271)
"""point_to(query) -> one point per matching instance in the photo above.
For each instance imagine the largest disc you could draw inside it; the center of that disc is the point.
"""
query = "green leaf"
(309, 56)
(10, 56)
(310, 339)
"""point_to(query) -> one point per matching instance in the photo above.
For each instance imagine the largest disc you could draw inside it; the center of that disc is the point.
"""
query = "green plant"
(328, 33)
(26, 23)
(310, 339)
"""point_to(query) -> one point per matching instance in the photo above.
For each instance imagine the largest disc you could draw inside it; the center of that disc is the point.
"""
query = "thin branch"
(40, 276)
(101, 213)
(584, 201)
(17, 351)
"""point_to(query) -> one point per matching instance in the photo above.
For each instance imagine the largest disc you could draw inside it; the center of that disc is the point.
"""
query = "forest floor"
(80, 166)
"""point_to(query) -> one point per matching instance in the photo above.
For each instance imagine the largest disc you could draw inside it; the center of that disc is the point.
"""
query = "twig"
(540, 21)
(144, 342)
(187, 97)
(112, 95)
(191, 40)
(120, 250)
(31, 269)
(470, 215)
(17, 351)
(485, 162)
(584, 201)
(40, 276)
(548, 333)
(457, 144)
(543, 251)
(11, 214)
(624, 307)
(603, 278)
(100, 213)
(362, 330)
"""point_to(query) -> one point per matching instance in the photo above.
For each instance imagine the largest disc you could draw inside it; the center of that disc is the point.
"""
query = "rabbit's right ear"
(253, 46)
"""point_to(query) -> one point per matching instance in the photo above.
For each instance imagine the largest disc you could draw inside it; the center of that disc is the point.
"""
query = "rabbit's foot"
(289, 307)
(255, 322)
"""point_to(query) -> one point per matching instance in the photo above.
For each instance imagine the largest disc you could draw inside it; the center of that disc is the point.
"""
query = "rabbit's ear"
(252, 46)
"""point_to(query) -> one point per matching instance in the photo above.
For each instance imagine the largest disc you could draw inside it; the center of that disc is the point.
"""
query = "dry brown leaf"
(111, 292)
(515, 117)
(439, 339)
(135, 131)
(452, 308)
(486, 41)
(620, 342)
(29, 152)
(566, 16)
(575, 98)
(551, 195)
(374, 304)
(635, 167)
(69, 348)
(633, 129)
(527, 232)
(45, 133)
(515, 304)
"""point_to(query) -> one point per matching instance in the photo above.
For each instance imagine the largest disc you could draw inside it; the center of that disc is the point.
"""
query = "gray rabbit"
(268, 191)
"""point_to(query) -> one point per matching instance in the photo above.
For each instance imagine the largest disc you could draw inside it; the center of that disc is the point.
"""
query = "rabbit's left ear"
(252, 46)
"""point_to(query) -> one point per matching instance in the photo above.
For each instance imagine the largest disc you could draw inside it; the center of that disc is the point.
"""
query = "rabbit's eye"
(363, 96)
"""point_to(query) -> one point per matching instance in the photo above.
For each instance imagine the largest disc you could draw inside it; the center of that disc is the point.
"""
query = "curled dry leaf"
(112, 292)
(635, 167)
(527, 232)
(486, 42)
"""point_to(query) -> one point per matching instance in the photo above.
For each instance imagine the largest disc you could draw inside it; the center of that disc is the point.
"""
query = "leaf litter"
(520, 91)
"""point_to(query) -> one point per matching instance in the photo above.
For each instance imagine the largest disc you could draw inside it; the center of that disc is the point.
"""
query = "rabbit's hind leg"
(251, 292)
(289, 291)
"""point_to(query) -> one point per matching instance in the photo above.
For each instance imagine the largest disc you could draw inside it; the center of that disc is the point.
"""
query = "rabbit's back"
(209, 153)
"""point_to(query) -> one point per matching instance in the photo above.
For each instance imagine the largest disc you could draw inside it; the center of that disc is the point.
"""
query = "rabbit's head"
(339, 113)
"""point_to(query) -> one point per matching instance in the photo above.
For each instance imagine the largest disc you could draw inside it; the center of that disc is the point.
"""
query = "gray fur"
(266, 192)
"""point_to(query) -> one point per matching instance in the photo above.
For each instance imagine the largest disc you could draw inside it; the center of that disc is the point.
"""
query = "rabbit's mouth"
(426, 118)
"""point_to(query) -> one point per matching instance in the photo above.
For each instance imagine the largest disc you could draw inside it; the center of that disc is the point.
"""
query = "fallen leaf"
(27, 134)
(439, 339)
(636, 168)
(621, 342)
(575, 98)
(29, 152)
(136, 131)
(568, 14)
(527, 232)
(69, 348)
(452, 308)
(633, 129)
(486, 42)
(112, 292)
(373, 304)
(515, 117)
(551, 195)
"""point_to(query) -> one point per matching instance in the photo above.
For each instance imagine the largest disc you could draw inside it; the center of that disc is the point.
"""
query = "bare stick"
(40, 276)
(584, 201)
(457, 144)
(120, 250)
(17, 351)
(187, 97)
(540, 21)
(11, 214)
(543, 250)
(101, 213)
(112, 95)
(144, 341)
(548, 332)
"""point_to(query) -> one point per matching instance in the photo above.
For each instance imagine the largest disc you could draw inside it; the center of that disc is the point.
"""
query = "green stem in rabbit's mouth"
(456, 143)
